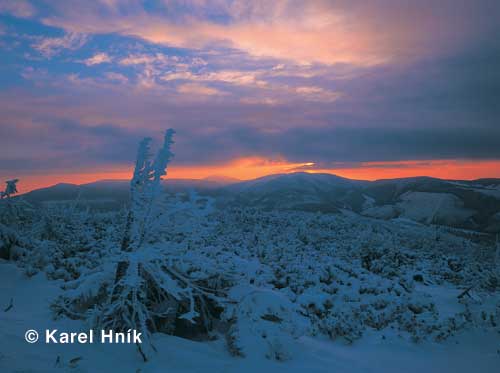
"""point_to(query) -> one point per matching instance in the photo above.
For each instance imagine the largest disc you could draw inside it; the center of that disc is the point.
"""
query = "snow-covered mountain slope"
(431, 207)
(297, 191)
(108, 195)
(463, 204)
(424, 207)
(306, 182)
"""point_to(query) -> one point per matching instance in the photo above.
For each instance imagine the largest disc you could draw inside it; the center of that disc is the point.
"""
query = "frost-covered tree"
(11, 209)
(10, 188)
(146, 290)
(145, 196)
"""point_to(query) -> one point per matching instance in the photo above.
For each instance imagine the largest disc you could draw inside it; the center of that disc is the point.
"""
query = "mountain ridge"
(470, 204)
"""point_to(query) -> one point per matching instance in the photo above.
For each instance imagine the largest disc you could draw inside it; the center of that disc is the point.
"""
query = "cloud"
(97, 59)
(50, 47)
(362, 34)
(328, 146)
(319, 94)
(259, 101)
(198, 89)
(235, 77)
(150, 66)
(282, 41)
(161, 68)
(18, 8)
(63, 144)
(117, 77)
(147, 59)
(34, 74)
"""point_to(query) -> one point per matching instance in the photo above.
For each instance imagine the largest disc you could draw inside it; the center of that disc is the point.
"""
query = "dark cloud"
(328, 145)
(66, 145)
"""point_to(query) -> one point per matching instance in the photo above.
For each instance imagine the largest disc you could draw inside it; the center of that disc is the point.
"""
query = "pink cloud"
(49, 47)
(317, 32)
(97, 59)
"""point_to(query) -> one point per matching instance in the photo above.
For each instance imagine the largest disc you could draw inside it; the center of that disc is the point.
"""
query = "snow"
(303, 181)
(427, 207)
(297, 279)
(424, 207)
(381, 212)
(470, 351)
(493, 191)
(368, 202)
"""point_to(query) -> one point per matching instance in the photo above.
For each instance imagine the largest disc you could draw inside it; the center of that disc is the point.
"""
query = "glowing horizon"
(252, 168)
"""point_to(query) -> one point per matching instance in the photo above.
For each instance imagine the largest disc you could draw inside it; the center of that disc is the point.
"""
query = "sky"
(363, 89)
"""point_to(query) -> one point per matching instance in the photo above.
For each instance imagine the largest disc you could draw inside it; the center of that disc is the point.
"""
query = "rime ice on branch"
(145, 190)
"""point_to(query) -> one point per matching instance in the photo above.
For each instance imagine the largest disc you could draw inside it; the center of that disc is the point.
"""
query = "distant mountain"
(458, 203)
(103, 195)
(111, 194)
(297, 191)
(222, 180)
(463, 204)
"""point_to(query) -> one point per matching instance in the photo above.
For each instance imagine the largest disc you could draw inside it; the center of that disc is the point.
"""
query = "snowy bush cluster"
(348, 275)
(260, 279)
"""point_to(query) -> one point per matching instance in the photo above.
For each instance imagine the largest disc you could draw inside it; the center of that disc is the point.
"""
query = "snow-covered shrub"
(351, 275)
(8, 239)
(263, 322)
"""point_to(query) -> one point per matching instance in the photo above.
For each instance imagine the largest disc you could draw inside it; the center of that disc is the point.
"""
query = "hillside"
(463, 204)
(473, 205)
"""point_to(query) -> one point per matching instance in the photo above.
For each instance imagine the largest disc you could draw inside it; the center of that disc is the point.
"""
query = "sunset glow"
(250, 168)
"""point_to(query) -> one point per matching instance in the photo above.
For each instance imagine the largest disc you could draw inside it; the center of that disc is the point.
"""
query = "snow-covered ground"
(468, 351)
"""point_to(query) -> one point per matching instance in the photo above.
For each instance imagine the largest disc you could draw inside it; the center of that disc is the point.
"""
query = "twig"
(11, 304)
(465, 292)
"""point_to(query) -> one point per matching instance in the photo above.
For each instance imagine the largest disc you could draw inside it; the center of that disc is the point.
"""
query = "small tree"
(10, 188)
(129, 294)
(10, 210)
(145, 292)
(145, 194)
